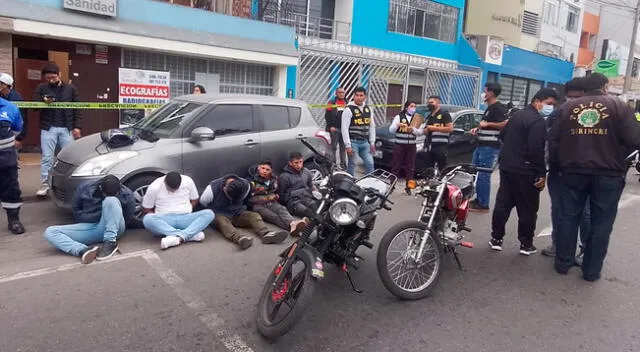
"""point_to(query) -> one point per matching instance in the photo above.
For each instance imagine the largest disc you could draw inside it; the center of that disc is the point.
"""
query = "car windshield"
(164, 121)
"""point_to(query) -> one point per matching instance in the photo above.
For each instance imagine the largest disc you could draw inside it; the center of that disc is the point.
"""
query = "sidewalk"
(29, 175)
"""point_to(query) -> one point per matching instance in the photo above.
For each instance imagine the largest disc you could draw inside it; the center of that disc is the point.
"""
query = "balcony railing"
(315, 27)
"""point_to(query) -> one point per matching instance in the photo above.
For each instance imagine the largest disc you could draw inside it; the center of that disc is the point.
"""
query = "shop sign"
(98, 7)
(608, 68)
(495, 51)
(143, 86)
(102, 54)
(507, 19)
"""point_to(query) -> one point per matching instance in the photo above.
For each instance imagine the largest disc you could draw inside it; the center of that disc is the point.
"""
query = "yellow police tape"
(121, 106)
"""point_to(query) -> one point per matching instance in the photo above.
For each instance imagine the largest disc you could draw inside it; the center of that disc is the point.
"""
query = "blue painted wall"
(291, 81)
(174, 16)
(369, 28)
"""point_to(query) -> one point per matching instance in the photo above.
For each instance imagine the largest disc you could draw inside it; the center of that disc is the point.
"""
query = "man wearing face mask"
(438, 126)
(404, 151)
(58, 127)
(522, 171)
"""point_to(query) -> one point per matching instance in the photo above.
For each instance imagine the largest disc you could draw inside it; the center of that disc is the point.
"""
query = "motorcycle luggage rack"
(384, 176)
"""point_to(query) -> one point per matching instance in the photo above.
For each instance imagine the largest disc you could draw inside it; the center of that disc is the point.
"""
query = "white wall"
(557, 34)
(529, 42)
(344, 11)
(615, 24)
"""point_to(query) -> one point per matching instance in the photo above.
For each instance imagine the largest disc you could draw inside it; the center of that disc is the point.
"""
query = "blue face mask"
(547, 109)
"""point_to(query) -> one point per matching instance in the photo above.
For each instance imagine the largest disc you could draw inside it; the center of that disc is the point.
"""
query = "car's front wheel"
(139, 185)
(318, 172)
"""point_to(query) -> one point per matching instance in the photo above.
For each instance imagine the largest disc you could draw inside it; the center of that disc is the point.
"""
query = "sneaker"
(16, 227)
(170, 241)
(297, 227)
(199, 237)
(89, 255)
(528, 250)
(495, 244)
(107, 250)
(43, 190)
(245, 242)
(274, 237)
(477, 208)
(550, 251)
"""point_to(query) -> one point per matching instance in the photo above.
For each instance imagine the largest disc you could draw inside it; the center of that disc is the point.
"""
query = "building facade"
(226, 53)
(561, 28)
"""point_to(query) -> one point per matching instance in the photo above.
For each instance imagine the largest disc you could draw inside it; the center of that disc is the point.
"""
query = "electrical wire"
(618, 6)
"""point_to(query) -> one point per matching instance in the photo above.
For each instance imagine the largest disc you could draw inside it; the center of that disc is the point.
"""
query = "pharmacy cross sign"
(98, 7)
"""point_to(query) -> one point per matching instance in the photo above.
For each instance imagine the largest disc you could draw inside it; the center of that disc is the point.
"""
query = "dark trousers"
(604, 194)
(336, 140)
(404, 157)
(555, 186)
(276, 214)
(248, 219)
(517, 191)
(302, 207)
(436, 155)
(10, 194)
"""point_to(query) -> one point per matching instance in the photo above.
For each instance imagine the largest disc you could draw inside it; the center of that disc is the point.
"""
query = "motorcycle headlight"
(344, 211)
(99, 165)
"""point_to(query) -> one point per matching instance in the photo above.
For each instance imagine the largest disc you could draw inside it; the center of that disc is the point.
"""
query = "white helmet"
(6, 79)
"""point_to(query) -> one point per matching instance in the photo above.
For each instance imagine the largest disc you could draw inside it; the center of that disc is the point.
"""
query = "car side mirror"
(202, 134)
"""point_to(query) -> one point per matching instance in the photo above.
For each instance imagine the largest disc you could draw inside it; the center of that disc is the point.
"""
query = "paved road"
(202, 297)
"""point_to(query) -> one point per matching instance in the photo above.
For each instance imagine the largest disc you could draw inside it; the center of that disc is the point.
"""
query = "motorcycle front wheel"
(400, 273)
(280, 308)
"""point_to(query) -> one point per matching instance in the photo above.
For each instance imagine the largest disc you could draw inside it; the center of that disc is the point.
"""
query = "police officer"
(438, 126)
(359, 131)
(522, 171)
(333, 119)
(7, 92)
(587, 143)
(10, 125)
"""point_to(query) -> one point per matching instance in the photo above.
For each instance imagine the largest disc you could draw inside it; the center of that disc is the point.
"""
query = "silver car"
(204, 136)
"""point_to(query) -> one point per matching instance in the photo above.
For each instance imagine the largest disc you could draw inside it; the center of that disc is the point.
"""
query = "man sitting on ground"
(296, 187)
(227, 197)
(168, 205)
(264, 200)
(101, 209)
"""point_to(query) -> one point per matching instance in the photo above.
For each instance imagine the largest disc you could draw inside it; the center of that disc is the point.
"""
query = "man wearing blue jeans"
(101, 209)
(58, 127)
(359, 131)
(168, 205)
(486, 154)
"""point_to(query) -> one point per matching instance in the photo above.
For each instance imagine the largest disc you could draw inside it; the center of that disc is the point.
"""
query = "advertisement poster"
(141, 87)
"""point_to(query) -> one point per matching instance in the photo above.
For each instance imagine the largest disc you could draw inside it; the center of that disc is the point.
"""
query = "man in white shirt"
(168, 207)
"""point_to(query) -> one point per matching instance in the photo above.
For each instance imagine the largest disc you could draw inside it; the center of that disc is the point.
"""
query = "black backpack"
(118, 138)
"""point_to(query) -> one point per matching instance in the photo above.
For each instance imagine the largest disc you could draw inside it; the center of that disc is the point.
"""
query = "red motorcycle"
(410, 253)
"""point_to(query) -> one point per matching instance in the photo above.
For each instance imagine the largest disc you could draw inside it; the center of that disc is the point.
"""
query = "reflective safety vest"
(402, 134)
(488, 136)
(360, 122)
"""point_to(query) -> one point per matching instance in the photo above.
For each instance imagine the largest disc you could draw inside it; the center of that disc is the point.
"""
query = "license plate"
(378, 154)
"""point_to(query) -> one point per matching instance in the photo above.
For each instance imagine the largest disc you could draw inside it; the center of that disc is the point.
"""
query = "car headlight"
(344, 211)
(99, 165)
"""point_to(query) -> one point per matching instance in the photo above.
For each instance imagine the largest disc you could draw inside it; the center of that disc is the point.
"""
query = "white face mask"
(546, 110)
(483, 96)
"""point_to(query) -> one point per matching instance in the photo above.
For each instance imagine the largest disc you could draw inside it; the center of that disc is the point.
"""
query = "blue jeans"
(363, 149)
(604, 194)
(554, 183)
(183, 225)
(75, 238)
(484, 157)
(49, 139)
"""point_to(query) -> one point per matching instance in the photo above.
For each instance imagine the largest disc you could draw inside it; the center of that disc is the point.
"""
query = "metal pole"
(632, 49)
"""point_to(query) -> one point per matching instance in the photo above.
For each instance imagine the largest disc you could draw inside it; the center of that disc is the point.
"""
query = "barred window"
(423, 18)
(531, 24)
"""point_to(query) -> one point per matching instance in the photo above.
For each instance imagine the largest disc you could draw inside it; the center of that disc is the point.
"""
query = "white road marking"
(626, 201)
(210, 319)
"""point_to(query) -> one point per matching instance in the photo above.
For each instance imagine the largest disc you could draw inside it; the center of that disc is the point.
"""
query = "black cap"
(110, 185)
(236, 189)
(173, 180)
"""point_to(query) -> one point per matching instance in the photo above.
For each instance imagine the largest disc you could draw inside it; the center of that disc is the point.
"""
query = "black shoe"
(495, 244)
(16, 227)
(407, 191)
(107, 250)
(528, 250)
(562, 271)
(245, 242)
(274, 237)
(475, 207)
(89, 255)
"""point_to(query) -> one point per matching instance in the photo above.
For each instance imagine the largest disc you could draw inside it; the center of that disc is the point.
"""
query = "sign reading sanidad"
(99, 7)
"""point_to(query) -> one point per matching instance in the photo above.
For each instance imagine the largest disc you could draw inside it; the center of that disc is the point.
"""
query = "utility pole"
(632, 49)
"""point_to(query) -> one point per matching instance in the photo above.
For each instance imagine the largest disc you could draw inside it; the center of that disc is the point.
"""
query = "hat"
(6, 79)
(110, 185)
(236, 189)
(173, 180)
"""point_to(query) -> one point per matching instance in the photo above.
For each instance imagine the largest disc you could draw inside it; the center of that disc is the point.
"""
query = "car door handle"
(250, 142)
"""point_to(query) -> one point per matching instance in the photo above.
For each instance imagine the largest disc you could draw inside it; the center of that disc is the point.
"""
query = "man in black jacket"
(58, 127)
(588, 144)
(333, 117)
(522, 171)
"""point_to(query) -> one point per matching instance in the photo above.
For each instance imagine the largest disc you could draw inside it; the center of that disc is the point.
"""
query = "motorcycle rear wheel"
(296, 292)
(398, 282)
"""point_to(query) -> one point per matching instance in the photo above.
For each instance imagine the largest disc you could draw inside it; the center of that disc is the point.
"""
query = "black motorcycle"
(344, 218)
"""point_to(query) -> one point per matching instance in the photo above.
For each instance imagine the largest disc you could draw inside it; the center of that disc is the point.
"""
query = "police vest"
(360, 122)
(488, 136)
(436, 137)
(402, 134)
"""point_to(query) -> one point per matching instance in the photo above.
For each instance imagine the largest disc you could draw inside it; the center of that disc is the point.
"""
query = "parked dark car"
(461, 142)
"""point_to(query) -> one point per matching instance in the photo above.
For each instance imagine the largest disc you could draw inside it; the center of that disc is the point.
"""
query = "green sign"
(608, 68)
